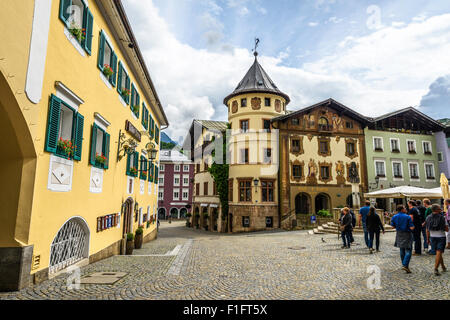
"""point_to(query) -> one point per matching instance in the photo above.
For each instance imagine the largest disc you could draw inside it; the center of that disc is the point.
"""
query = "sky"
(373, 56)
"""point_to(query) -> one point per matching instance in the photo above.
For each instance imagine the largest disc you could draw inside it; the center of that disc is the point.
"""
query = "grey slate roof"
(213, 125)
(256, 80)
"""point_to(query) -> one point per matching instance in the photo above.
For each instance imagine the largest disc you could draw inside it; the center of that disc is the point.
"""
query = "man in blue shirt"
(404, 238)
(363, 212)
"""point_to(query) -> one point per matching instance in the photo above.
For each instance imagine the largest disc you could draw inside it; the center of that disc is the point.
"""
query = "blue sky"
(373, 56)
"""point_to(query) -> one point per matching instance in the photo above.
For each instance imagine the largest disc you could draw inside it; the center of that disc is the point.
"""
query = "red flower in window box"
(66, 147)
(100, 158)
(107, 70)
(133, 171)
(77, 32)
(126, 92)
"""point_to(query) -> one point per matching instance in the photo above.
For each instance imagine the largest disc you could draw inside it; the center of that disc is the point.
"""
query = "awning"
(406, 191)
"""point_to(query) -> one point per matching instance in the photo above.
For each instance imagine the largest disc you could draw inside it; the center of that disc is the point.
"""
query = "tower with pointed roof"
(253, 173)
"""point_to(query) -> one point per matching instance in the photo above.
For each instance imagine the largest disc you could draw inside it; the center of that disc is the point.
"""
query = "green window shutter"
(54, 111)
(78, 137)
(143, 115)
(106, 150)
(128, 87)
(152, 127)
(88, 25)
(138, 102)
(136, 160)
(156, 174)
(63, 8)
(93, 144)
(101, 51)
(119, 79)
(150, 174)
(157, 134)
(113, 78)
(142, 165)
(128, 164)
(133, 92)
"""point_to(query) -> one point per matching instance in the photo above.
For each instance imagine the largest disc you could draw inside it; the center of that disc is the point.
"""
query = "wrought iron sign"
(135, 133)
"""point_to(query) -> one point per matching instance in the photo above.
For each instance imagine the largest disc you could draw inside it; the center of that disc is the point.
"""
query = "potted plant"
(144, 175)
(100, 159)
(107, 70)
(66, 147)
(125, 92)
(130, 243)
(139, 237)
(77, 32)
(133, 171)
(135, 109)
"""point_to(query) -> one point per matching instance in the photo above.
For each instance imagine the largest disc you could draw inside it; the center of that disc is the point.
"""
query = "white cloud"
(335, 20)
(243, 11)
(388, 69)
(398, 24)
(262, 10)
(313, 24)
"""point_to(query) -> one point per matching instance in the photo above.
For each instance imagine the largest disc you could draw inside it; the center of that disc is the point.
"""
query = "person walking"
(363, 212)
(436, 227)
(374, 226)
(413, 212)
(346, 228)
(447, 218)
(404, 238)
(427, 205)
(422, 210)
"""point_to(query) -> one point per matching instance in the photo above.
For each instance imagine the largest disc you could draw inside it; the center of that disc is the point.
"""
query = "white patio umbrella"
(405, 191)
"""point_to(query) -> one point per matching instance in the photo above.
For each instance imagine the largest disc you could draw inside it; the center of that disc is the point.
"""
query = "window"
(123, 84)
(185, 180)
(177, 168)
(350, 148)
(176, 180)
(135, 101)
(197, 189)
(161, 180)
(185, 195)
(426, 147)
(267, 190)
(133, 164)
(230, 190)
(161, 167)
(205, 188)
(267, 155)
(107, 59)
(411, 146)
(151, 128)
(323, 147)
(297, 171)
(245, 190)
(323, 124)
(397, 169)
(64, 136)
(156, 134)
(156, 175)
(266, 125)
(414, 171)
(99, 156)
(349, 124)
(244, 124)
(246, 222)
(206, 165)
(269, 222)
(295, 121)
(145, 114)
(176, 195)
(440, 157)
(143, 164)
(197, 167)
(161, 194)
(76, 23)
(186, 168)
(429, 170)
(243, 103)
(395, 145)
(296, 145)
(244, 156)
(324, 172)
(380, 169)
(151, 172)
(267, 102)
(378, 144)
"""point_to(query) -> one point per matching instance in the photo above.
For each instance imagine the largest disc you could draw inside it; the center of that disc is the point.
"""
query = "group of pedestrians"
(428, 220)
(419, 219)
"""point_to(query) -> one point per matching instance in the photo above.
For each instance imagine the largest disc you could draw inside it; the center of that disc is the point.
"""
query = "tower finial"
(255, 53)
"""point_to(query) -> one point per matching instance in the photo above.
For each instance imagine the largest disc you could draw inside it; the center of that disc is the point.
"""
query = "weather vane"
(255, 53)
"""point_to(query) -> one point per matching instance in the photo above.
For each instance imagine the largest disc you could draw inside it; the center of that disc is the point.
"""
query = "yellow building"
(79, 116)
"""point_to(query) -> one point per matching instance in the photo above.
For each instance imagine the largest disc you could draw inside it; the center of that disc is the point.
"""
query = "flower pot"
(130, 247)
(138, 241)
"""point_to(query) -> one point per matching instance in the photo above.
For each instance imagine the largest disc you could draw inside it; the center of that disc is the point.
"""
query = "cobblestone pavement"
(193, 264)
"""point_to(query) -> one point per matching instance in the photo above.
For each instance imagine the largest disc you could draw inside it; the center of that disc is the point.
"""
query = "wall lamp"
(125, 146)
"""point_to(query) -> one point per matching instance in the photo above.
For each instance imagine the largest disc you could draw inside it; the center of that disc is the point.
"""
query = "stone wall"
(257, 216)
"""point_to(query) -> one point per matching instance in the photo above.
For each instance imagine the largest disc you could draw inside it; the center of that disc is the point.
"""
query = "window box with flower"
(77, 32)
(65, 148)
(133, 171)
(107, 70)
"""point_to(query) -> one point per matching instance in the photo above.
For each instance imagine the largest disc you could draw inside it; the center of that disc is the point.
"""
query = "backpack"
(353, 218)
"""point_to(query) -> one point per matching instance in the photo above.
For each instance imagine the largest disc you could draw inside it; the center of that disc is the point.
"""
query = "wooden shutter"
(119, 79)
(78, 137)
(138, 102)
(151, 172)
(127, 84)
(54, 111)
(63, 14)
(156, 174)
(136, 160)
(113, 78)
(143, 115)
(106, 141)
(101, 51)
(93, 144)
(151, 125)
(157, 134)
(88, 25)
(128, 164)
(133, 92)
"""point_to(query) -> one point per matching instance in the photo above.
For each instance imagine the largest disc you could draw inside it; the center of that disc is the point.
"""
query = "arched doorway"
(322, 202)
(303, 203)
(174, 213)
(162, 213)
(128, 216)
(70, 245)
(183, 212)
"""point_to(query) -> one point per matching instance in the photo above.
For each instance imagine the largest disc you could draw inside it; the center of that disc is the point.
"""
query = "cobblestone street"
(192, 264)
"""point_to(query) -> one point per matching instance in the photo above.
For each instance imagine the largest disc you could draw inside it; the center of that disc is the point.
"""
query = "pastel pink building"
(176, 173)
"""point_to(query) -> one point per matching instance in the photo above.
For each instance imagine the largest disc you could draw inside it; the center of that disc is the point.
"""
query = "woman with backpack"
(374, 226)
(436, 227)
